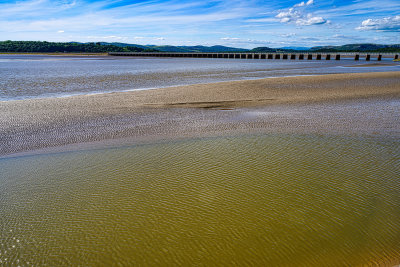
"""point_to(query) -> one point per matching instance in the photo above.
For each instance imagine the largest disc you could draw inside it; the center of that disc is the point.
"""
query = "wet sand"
(380, 64)
(308, 104)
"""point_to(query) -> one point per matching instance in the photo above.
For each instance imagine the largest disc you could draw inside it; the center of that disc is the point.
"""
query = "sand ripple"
(288, 200)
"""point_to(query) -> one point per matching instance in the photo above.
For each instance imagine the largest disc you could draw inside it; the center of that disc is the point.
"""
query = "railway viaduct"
(288, 56)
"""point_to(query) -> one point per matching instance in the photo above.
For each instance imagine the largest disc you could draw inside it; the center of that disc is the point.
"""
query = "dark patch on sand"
(223, 105)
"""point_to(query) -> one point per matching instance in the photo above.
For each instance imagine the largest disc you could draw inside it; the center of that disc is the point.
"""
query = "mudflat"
(190, 110)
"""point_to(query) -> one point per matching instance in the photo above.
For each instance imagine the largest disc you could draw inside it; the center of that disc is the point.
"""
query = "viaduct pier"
(286, 56)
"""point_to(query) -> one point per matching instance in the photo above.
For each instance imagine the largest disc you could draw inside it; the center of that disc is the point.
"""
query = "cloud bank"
(298, 16)
(385, 24)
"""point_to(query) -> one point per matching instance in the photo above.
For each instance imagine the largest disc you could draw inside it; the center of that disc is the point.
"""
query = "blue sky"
(237, 23)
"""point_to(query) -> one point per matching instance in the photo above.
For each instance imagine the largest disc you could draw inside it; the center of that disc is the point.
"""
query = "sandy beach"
(265, 105)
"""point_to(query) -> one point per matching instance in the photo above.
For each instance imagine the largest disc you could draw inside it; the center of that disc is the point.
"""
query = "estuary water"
(252, 200)
(325, 197)
(37, 76)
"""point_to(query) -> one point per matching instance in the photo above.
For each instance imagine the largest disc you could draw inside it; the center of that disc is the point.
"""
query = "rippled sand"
(197, 110)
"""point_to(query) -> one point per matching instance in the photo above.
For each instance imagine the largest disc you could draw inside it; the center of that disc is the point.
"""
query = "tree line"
(70, 47)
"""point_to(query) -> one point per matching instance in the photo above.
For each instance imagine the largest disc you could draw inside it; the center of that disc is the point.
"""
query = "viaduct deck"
(292, 56)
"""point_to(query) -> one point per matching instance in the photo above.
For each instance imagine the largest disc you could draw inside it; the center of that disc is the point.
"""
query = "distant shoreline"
(10, 45)
(54, 54)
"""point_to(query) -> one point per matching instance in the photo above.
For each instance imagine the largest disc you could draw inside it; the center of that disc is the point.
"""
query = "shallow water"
(256, 200)
(33, 76)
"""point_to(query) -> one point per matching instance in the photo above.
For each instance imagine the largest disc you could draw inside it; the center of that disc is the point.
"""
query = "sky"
(237, 23)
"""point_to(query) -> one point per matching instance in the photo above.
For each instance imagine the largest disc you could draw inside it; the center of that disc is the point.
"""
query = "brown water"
(255, 200)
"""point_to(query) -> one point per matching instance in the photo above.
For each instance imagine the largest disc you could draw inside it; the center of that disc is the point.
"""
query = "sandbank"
(298, 104)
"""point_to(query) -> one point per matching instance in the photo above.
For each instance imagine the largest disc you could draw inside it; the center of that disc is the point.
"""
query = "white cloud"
(86, 17)
(110, 38)
(348, 37)
(298, 16)
(341, 36)
(309, 2)
(287, 35)
(34, 8)
(60, 31)
(262, 20)
(233, 41)
(230, 39)
(389, 24)
(310, 20)
(288, 16)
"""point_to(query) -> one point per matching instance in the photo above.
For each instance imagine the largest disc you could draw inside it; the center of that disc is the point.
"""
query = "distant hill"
(70, 47)
(125, 45)
(299, 48)
(183, 49)
(104, 47)
(281, 49)
(343, 48)
(263, 50)
(209, 49)
(358, 48)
